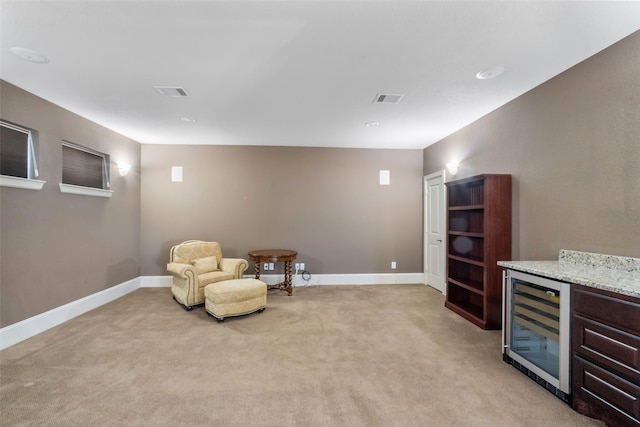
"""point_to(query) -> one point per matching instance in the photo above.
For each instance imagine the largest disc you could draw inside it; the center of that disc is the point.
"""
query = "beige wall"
(56, 248)
(325, 203)
(573, 147)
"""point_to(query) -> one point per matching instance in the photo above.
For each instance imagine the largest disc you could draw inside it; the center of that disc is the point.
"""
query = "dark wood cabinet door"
(606, 355)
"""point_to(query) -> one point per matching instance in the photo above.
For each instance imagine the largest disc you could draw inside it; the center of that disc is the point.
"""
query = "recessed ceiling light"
(371, 124)
(29, 55)
(489, 73)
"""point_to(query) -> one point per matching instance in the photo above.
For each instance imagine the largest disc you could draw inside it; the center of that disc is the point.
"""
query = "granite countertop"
(607, 272)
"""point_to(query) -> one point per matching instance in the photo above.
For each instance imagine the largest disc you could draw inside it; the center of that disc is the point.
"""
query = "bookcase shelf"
(476, 262)
(478, 236)
(475, 287)
(465, 233)
(465, 208)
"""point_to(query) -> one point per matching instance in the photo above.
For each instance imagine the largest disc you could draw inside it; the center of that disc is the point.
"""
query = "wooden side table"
(275, 255)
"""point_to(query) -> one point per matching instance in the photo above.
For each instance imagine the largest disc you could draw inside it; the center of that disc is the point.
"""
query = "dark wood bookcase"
(478, 236)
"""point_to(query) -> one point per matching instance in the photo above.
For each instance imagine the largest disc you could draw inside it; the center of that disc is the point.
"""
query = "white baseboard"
(315, 279)
(360, 279)
(32, 326)
(27, 328)
(156, 281)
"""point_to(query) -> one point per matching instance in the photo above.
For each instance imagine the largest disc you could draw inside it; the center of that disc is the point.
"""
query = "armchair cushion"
(205, 265)
(212, 277)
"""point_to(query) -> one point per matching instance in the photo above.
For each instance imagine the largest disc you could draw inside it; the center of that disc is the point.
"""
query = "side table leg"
(287, 277)
(257, 269)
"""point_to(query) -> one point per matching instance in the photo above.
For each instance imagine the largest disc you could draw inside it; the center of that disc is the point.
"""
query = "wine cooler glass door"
(539, 331)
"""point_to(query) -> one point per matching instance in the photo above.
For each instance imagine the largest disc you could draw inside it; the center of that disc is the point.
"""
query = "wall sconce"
(452, 167)
(123, 168)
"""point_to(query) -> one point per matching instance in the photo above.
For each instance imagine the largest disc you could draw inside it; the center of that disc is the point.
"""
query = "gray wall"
(325, 203)
(56, 248)
(573, 148)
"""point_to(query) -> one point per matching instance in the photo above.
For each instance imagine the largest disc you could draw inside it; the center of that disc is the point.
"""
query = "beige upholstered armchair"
(194, 264)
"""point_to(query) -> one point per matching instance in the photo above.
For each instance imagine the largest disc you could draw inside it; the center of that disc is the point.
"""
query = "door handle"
(438, 240)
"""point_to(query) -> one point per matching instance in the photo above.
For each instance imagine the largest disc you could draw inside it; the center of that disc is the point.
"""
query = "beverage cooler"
(536, 332)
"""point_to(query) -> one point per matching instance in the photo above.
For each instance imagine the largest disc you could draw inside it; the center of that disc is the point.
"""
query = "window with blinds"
(84, 167)
(17, 154)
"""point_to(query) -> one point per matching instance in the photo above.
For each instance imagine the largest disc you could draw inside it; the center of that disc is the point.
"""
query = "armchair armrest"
(181, 270)
(185, 284)
(235, 266)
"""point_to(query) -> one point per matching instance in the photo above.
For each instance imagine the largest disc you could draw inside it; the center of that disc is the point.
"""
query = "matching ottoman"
(235, 297)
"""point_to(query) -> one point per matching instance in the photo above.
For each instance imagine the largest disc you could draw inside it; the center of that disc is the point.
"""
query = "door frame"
(425, 244)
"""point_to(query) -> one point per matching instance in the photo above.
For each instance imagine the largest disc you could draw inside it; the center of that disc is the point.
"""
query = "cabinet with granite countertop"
(606, 355)
(605, 331)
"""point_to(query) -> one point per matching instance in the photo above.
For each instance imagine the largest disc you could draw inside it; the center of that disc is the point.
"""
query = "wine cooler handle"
(505, 277)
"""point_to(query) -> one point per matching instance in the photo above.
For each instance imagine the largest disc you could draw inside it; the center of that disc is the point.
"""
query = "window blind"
(83, 167)
(14, 151)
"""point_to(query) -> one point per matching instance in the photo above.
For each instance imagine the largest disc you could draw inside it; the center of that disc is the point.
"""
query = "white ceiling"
(298, 73)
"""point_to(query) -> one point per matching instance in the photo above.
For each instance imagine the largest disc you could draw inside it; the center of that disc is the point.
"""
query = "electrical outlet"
(265, 267)
(272, 266)
(393, 265)
(302, 266)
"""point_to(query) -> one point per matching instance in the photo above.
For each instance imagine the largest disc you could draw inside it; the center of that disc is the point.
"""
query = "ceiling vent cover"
(172, 92)
(387, 98)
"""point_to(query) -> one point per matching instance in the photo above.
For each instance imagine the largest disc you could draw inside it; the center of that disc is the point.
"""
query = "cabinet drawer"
(605, 390)
(610, 348)
(614, 310)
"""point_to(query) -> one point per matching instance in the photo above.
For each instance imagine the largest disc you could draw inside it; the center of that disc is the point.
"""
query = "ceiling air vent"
(172, 92)
(387, 98)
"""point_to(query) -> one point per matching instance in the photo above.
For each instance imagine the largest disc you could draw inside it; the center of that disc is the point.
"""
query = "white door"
(434, 231)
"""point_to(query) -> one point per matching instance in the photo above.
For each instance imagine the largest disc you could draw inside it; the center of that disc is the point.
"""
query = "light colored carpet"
(383, 355)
